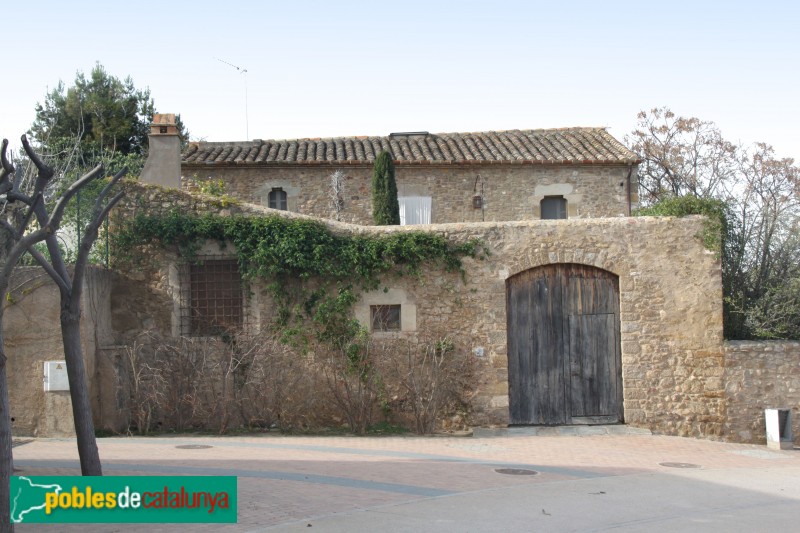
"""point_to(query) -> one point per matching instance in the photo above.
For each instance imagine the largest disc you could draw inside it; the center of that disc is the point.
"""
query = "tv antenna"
(243, 72)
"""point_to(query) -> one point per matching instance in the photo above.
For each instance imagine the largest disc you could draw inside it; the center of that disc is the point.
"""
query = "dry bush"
(257, 382)
(430, 378)
(146, 386)
(351, 378)
(204, 383)
(275, 387)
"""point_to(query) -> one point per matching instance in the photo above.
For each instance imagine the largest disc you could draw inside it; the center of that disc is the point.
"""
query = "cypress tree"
(385, 208)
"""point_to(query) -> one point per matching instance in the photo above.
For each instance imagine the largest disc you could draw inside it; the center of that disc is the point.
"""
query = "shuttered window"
(277, 199)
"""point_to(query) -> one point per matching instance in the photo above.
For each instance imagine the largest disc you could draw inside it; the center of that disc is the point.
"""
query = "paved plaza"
(590, 480)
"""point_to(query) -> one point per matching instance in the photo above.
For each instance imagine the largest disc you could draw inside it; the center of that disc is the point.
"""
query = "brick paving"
(285, 480)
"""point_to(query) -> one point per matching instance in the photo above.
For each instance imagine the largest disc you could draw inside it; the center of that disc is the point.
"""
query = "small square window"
(553, 208)
(385, 317)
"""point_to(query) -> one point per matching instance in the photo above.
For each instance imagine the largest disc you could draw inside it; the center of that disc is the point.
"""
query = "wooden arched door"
(564, 364)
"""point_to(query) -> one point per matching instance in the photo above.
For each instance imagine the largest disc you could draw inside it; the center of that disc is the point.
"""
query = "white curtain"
(415, 210)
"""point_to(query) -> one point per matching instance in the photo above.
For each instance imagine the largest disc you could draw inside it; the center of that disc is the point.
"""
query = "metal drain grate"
(193, 446)
(679, 465)
(516, 471)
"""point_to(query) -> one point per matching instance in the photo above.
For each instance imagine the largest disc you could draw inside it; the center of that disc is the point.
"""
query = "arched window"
(553, 207)
(277, 199)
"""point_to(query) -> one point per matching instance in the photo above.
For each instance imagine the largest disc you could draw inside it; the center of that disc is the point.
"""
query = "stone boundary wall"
(32, 332)
(670, 302)
(760, 375)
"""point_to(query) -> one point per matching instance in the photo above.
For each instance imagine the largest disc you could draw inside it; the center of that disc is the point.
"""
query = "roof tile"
(568, 145)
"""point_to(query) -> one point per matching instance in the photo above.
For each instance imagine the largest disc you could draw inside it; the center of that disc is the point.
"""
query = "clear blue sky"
(323, 68)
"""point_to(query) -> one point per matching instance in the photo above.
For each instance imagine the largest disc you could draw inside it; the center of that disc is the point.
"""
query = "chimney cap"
(164, 124)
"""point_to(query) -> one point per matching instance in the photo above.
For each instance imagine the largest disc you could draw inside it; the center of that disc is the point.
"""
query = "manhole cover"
(193, 446)
(679, 465)
(516, 471)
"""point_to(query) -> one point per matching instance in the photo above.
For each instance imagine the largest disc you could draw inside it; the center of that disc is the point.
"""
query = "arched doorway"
(564, 363)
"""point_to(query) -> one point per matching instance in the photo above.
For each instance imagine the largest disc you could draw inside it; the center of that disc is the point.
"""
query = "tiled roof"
(554, 146)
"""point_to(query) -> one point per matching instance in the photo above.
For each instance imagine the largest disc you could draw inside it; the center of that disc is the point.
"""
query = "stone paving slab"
(394, 483)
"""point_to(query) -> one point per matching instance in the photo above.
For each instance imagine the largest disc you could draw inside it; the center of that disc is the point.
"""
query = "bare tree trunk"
(6, 459)
(78, 390)
(71, 289)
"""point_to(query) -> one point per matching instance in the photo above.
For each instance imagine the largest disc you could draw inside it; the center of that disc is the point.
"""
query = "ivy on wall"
(312, 272)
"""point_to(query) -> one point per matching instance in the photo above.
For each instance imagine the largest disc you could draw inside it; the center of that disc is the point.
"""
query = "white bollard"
(779, 429)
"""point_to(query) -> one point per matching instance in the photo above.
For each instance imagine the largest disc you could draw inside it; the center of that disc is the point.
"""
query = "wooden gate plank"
(563, 346)
(592, 372)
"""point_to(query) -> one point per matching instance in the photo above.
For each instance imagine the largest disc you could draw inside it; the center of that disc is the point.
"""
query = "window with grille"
(212, 297)
(554, 207)
(385, 317)
(277, 199)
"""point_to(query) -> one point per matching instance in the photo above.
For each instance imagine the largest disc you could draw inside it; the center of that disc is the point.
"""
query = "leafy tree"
(100, 118)
(688, 157)
(104, 112)
(385, 208)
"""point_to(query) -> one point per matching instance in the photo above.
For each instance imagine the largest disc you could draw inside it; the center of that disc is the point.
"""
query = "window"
(415, 210)
(385, 317)
(553, 207)
(212, 298)
(277, 199)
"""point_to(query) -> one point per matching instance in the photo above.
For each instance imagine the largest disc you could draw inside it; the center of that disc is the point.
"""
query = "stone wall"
(676, 379)
(510, 192)
(670, 303)
(758, 376)
(33, 335)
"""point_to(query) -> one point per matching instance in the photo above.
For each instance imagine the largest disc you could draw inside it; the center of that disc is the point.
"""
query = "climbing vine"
(313, 272)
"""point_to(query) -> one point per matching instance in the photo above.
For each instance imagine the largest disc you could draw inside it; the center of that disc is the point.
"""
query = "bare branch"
(18, 249)
(45, 172)
(58, 211)
(45, 264)
(27, 218)
(6, 170)
(89, 236)
(99, 202)
(8, 227)
(107, 209)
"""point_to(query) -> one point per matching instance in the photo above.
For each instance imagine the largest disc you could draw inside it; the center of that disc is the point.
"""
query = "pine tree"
(385, 208)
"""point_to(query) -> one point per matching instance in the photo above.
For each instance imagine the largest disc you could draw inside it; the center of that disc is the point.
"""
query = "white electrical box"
(55, 376)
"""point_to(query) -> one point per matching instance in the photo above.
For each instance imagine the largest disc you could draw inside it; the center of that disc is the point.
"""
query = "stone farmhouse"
(580, 314)
(447, 177)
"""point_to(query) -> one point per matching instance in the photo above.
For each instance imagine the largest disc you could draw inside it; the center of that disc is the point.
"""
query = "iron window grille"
(212, 301)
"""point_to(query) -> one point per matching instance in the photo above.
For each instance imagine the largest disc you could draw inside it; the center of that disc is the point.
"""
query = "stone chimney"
(163, 165)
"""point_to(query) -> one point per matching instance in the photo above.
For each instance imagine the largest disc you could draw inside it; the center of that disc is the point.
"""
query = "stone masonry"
(510, 192)
(760, 375)
(670, 302)
(679, 377)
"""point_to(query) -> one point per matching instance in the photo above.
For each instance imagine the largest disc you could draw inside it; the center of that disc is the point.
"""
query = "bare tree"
(19, 209)
(70, 290)
(688, 156)
(681, 156)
